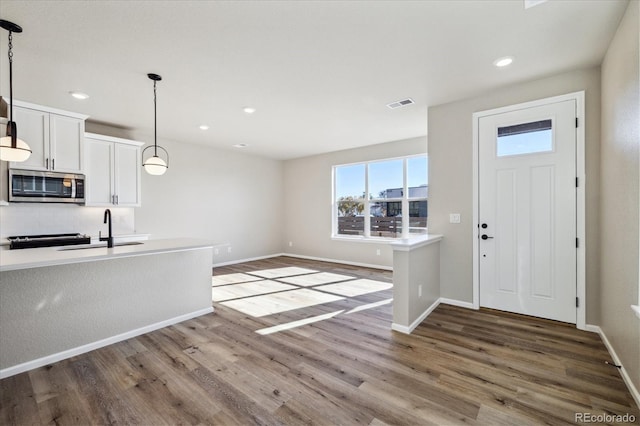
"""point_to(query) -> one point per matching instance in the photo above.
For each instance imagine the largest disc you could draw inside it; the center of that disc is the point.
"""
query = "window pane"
(385, 179)
(350, 218)
(418, 217)
(386, 219)
(350, 181)
(417, 177)
(527, 138)
(348, 207)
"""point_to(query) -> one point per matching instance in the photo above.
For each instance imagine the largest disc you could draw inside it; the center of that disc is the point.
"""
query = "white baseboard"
(614, 357)
(250, 259)
(460, 303)
(343, 262)
(408, 329)
(49, 359)
(592, 328)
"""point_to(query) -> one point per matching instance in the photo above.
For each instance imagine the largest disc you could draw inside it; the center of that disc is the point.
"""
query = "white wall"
(619, 202)
(308, 199)
(451, 180)
(231, 198)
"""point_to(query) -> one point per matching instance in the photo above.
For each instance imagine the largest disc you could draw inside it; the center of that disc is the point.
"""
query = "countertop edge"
(52, 256)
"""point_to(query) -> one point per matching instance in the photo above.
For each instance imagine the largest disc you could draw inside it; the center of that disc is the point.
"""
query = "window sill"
(415, 238)
(359, 239)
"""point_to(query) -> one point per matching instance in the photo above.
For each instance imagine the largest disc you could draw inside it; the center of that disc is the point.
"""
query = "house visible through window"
(381, 199)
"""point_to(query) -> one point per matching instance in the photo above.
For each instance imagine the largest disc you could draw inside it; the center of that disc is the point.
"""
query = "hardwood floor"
(458, 367)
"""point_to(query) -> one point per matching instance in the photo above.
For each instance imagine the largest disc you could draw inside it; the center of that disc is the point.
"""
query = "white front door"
(527, 211)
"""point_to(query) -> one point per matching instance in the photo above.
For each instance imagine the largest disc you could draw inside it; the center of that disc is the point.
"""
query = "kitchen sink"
(101, 245)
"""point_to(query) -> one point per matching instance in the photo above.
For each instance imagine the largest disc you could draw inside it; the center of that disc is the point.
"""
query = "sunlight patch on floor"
(369, 306)
(232, 279)
(282, 272)
(355, 288)
(268, 304)
(291, 288)
(315, 279)
(254, 288)
(299, 323)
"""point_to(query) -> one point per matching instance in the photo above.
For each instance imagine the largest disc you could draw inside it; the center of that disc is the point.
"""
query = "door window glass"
(527, 138)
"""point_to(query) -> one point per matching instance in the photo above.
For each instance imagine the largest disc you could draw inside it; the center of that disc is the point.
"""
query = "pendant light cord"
(155, 121)
(10, 54)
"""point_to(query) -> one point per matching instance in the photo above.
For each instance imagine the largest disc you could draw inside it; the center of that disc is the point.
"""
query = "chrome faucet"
(109, 239)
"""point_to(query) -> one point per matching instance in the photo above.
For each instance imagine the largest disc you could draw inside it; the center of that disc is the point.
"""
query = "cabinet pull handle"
(53, 164)
(47, 164)
(117, 200)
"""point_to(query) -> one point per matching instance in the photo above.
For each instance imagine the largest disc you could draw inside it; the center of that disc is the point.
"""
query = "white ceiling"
(319, 73)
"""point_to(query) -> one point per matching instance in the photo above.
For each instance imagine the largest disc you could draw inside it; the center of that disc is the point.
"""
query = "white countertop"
(49, 256)
(408, 244)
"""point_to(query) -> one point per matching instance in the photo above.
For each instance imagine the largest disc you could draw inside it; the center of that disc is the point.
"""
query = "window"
(527, 138)
(381, 199)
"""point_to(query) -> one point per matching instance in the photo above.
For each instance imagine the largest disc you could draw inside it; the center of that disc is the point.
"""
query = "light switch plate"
(454, 217)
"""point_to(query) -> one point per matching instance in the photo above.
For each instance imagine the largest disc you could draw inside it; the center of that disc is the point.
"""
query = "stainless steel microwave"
(33, 186)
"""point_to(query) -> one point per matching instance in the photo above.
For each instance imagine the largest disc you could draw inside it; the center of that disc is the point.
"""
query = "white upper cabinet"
(54, 136)
(113, 171)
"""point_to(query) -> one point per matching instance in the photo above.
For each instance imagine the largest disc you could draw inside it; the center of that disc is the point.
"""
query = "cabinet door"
(66, 141)
(99, 173)
(127, 174)
(33, 128)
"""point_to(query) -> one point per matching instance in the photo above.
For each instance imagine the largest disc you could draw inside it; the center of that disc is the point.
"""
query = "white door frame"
(580, 197)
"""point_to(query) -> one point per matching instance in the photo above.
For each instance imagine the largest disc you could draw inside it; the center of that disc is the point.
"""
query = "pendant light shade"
(155, 164)
(17, 152)
(12, 148)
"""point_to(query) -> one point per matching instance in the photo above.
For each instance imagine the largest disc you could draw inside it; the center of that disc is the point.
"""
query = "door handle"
(486, 237)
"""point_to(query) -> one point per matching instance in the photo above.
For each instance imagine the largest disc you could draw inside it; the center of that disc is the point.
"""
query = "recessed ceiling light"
(249, 110)
(204, 127)
(240, 145)
(79, 95)
(503, 62)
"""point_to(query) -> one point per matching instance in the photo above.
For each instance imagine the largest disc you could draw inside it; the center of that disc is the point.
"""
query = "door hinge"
(577, 302)
(576, 122)
(577, 242)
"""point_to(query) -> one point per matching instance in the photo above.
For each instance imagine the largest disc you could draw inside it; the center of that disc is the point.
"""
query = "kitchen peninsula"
(59, 302)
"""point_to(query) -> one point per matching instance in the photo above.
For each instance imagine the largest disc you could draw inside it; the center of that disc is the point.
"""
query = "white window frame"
(367, 237)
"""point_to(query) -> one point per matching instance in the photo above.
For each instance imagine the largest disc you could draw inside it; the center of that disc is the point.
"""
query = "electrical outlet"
(216, 251)
(420, 290)
(378, 252)
(454, 218)
(229, 249)
(290, 243)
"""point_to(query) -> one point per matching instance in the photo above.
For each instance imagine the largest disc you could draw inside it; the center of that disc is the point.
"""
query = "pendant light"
(155, 165)
(12, 148)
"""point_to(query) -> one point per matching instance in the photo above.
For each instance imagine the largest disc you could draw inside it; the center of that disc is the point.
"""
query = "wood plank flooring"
(458, 367)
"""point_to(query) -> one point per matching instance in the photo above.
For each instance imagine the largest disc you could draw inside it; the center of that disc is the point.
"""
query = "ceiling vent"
(398, 104)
